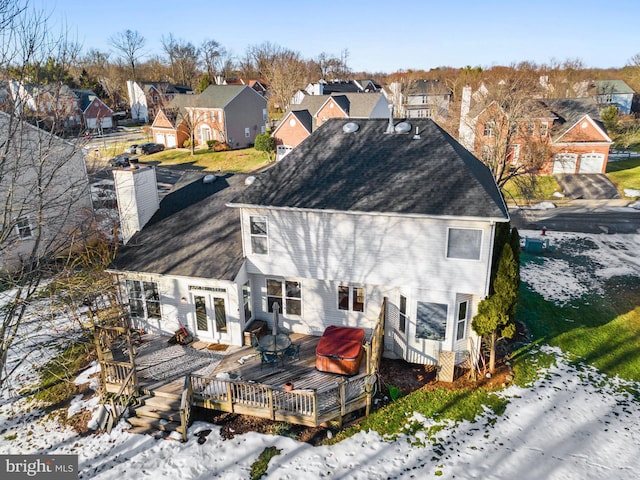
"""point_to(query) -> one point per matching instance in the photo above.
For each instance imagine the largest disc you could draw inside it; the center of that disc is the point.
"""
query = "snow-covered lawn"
(573, 423)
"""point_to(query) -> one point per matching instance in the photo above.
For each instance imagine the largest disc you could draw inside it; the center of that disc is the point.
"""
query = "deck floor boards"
(243, 363)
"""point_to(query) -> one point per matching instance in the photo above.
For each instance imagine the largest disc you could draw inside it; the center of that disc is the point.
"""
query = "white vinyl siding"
(367, 250)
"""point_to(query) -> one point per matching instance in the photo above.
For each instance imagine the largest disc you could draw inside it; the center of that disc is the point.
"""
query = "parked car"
(131, 148)
(123, 160)
(148, 148)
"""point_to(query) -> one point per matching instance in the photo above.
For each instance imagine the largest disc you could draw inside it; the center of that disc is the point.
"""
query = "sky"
(573, 423)
(380, 36)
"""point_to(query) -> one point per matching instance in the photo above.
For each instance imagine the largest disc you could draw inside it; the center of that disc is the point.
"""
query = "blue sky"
(380, 36)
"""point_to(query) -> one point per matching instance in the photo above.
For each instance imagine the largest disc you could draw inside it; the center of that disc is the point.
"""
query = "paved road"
(579, 219)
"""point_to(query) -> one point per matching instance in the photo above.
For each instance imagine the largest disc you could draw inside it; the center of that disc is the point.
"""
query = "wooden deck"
(243, 364)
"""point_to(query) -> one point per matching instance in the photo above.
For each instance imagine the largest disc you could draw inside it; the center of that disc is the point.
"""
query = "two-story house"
(146, 99)
(565, 135)
(421, 99)
(614, 93)
(44, 190)
(231, 114)
(96, 115)
(361, 211)
(302, 119)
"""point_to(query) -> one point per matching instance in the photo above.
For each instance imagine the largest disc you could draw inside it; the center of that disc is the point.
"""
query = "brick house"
(300, 122)
(566, 134)
(232, 114)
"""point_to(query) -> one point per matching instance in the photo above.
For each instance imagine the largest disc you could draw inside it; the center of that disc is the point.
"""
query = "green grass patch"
(56, 376)
(541, 187)
(244, 160)
(529, 362)
(624, 174)
(600, 329)
(259, 467)
(438, 404)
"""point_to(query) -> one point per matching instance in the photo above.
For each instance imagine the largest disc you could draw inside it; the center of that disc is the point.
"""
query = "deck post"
(230, 402)
(272, 410)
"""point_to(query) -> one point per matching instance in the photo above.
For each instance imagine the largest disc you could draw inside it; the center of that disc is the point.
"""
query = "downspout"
(491, 243)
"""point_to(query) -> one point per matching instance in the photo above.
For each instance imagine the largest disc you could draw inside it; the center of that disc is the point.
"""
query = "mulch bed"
(405, 376)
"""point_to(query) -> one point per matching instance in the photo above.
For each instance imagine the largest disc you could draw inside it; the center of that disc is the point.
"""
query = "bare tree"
(45, 204)
(509, 137)
(183, 58)
(212, 55)
(129, 44)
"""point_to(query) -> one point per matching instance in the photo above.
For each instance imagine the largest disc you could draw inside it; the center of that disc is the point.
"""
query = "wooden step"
(155, 424)
(158, 412)
(162, 402)
(170, 395)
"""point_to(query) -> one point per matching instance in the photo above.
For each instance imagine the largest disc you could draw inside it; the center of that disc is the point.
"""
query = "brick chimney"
(137, 192)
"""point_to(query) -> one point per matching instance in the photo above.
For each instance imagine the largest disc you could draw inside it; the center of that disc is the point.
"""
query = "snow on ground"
(573, 423)
(580, 263)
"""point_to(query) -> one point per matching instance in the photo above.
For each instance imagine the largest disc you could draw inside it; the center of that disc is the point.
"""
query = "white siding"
(177, 307)
(367, 249)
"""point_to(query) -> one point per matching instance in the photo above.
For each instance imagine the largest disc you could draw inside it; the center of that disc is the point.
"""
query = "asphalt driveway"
(592, 186)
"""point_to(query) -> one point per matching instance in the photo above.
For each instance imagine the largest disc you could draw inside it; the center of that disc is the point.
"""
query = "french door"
(211, 317)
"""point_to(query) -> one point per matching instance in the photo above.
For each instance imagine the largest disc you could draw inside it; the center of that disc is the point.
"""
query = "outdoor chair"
(255, 343)
(269, 359)
(292, 352)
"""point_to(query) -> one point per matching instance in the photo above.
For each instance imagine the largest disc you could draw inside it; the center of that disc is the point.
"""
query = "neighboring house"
(147, 98)
(231, 114)
(362, 211)
(324, 87)
(44, 190)
(53, 106)
(259, 86)
(614, 93)
(570, 130)
(421, 99)
(301, 120)
(96, 115)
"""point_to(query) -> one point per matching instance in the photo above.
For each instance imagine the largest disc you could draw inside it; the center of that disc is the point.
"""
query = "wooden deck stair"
(158, 411)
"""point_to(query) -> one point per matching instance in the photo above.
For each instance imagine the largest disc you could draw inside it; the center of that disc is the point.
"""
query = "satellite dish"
(403, 127)
(350, 127)
(209, 179)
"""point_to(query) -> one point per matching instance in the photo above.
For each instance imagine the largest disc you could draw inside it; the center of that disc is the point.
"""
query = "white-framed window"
(464, 243)
(515, 153)
(431, 321)
(23, 228)
(288, 295)
(259, 235)
(461, 324)
(220, 117)
(263, 129)
(487, 153)
(544, 129)
(144, 299)
(402, 314)
(351, 297)
(265, 116)
(246, 301)
(488, 129)
(247, 132)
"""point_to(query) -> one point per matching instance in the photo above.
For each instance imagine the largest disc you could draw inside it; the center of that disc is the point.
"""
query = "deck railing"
(118, 374)
(186, 403)
(305, 407)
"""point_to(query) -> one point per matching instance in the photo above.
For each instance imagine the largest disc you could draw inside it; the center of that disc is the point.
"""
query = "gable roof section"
(428, 87)
(372, 172)
(303, 116)
(570, 111)
(613, 87)
(193, 234)
(217, 96)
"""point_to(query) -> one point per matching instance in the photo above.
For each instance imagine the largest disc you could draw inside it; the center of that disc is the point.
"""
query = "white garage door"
(591, 163)
(171, 141)
(160, 138)
(565, 163)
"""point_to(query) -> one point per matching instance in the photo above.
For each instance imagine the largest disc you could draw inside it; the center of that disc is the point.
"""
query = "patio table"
(275, 343)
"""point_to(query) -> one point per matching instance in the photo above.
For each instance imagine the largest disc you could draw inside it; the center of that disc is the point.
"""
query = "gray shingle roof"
(612, 87)
(193, 234)
(370, 171)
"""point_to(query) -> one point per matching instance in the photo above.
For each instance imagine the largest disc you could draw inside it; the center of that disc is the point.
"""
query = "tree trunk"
(492, 352)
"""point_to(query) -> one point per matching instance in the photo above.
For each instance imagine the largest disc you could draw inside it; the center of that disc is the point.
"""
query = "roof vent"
(249, 180)
(417, 135)
(403, 127)
(209, 179)
(350, 127)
